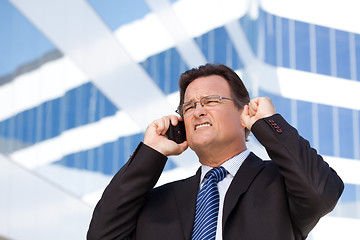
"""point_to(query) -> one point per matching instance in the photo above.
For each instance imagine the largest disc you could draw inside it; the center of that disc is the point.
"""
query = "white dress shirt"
(232, 166)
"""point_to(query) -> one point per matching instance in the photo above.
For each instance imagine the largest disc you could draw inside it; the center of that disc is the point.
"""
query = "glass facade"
(54, 109)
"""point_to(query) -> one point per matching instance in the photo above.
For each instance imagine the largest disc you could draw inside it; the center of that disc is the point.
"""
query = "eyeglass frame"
(180, 109)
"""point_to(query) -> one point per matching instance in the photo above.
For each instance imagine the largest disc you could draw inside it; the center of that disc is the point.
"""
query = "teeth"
(203, 125)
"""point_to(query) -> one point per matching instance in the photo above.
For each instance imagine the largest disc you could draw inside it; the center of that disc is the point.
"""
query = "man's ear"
(243, 125)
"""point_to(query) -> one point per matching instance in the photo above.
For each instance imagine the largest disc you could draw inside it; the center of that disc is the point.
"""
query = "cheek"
(229, 122)
(187, 128)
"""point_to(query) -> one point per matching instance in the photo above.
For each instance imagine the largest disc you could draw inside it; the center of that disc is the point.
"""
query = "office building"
(81, 80)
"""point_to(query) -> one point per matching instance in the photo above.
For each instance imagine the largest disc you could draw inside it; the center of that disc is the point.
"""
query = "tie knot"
(218, 174)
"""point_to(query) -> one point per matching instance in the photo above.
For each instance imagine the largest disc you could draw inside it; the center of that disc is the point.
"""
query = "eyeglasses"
(205, 101)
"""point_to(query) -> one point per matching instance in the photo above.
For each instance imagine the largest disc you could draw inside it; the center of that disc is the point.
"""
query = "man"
(279, 199)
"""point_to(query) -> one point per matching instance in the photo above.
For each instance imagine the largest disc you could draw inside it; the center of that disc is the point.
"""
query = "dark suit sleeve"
(116, 213)
(313, 187)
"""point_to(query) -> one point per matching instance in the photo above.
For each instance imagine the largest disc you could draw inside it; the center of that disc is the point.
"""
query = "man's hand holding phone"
(156, 136)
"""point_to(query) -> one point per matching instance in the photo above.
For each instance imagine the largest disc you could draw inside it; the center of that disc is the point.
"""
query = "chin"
(199, 143)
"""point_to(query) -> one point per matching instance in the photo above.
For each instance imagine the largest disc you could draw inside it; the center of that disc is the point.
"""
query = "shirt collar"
(232, 165)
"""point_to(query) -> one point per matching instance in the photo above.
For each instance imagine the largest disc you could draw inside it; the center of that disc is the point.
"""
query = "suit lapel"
(186, 194)
(241, 182)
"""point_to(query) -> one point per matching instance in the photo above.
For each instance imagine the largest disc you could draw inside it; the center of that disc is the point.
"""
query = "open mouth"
(202, 125)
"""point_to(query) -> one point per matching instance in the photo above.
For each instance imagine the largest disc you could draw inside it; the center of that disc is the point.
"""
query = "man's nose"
(199, 110)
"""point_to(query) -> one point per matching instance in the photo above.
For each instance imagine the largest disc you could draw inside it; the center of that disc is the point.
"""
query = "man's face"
(212, 127)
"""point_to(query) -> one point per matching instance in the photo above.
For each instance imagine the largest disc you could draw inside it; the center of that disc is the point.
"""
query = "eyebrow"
(193, 99)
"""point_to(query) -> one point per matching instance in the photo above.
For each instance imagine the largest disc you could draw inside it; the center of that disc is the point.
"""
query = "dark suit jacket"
(279, 199)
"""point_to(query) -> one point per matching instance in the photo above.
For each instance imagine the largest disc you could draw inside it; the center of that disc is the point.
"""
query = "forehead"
(209, 85)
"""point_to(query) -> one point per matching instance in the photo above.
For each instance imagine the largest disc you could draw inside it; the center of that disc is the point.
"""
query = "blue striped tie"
(207, 206)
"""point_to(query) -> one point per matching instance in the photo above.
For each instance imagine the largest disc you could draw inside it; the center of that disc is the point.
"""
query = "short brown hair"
(238, 89)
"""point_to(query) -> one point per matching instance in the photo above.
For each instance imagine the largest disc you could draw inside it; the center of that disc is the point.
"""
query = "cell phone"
(177, 133)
